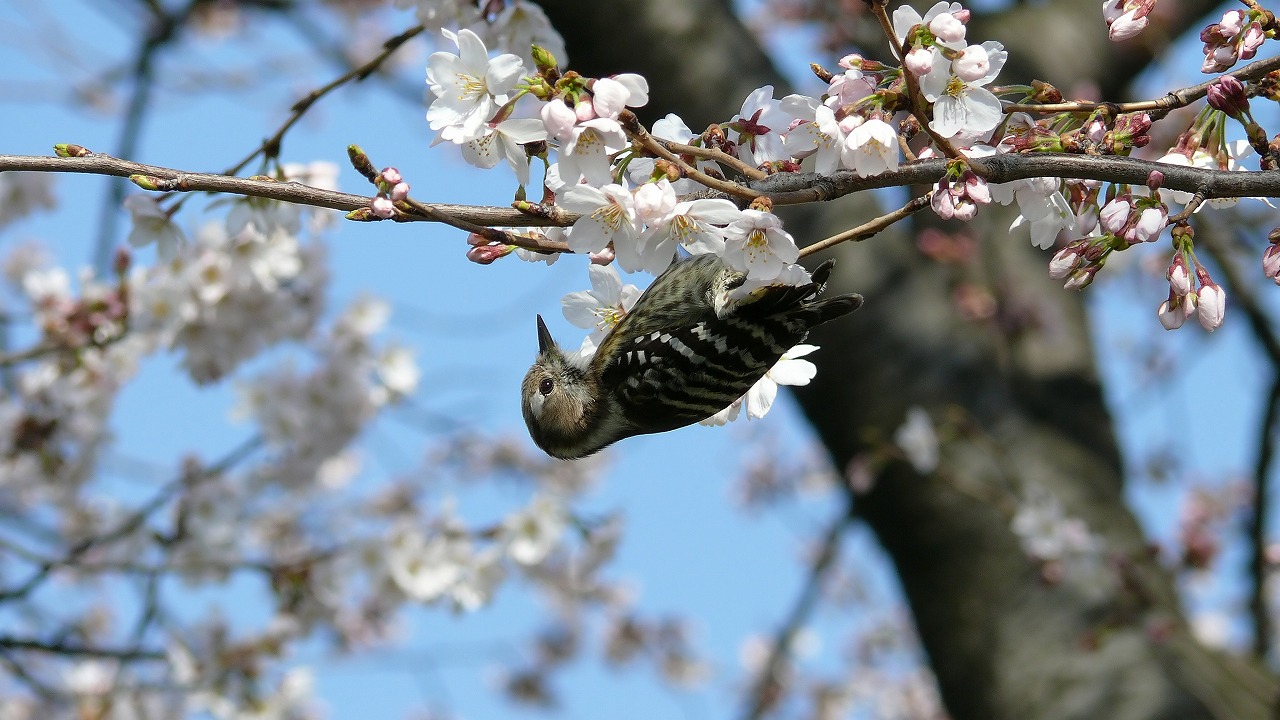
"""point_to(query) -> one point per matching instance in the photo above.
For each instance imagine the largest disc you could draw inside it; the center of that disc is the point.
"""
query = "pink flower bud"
(604, 257)
(1253, 37)
(487, 253)
(1150, 223)
(1231, 24)
(559, 119)
(947, 28)
(1271, 261)
(400, 191)
(1114, 215)
(1065, 262)
(1179, 279)
(919, 61)
(973, 64)
(1212, 306)
(1096, 131)
(942, 202)
(382, 207)
(1224, 56)
(1127, 26)
(584, 111)
(1155, 180)
(962, 15)
(1171, 315)
(976, 189)
(608, 98)
(390, 176)
(1081, 278)
(1227, 94)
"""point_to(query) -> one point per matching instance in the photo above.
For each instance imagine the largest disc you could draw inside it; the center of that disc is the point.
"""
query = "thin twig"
(1172, 101)
(271, 146)
(766, 690)
(870, 228)
(491, 234)
(632, 125)
(1190, 209)
(717, 155)
(60, 647)
(133, 522)
(182, 181)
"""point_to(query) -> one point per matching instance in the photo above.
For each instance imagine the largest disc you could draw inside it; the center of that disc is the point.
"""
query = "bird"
(689, 348)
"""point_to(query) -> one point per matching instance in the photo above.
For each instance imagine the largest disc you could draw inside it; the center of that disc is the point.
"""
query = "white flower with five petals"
(756, 244)
(608, 215)
(586, 154)
(467, 86)
(602, 307)
(960, 105)
(506, 140)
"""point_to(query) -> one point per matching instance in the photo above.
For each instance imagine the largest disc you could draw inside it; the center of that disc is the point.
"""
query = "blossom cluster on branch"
(637, 191)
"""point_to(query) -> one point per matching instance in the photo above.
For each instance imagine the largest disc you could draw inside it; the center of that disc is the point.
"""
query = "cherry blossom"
(942, 20)
(465, 86)
(757, 128)
(585, 156)
(608, 216)
(151, 224)
(871, 148)
(506, 140)
(603, 306)
(756, 244)
(817, 134)
(1211, 306)
(695, 225)
(964, 106)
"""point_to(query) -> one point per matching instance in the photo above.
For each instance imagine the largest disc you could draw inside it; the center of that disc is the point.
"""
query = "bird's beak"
(545, 341)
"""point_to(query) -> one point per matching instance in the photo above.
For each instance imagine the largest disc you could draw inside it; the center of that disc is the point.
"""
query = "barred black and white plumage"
(687, 350)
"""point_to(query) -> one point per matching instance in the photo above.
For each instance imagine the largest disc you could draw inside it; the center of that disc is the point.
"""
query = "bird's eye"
(545, 386)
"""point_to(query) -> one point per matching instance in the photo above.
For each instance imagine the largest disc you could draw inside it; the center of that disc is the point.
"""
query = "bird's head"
(556, 397)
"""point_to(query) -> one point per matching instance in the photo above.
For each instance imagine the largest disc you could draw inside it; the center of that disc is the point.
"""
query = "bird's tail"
(803, 300)
(832, 308)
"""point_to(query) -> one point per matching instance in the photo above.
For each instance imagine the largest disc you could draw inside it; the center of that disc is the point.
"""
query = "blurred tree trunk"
(1017, 394)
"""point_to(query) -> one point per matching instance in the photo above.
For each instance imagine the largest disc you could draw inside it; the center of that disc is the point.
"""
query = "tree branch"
(133, 522)
(870, 228)
(271, 146)
(1158, 106)
(767, 689)
(294, 192)
(61, 647)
